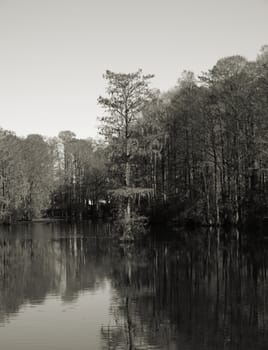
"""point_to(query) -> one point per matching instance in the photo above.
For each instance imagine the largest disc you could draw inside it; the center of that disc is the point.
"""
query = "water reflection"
(194, 293)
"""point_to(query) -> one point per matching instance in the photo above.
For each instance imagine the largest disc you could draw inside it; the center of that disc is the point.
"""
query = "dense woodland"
(198, 152)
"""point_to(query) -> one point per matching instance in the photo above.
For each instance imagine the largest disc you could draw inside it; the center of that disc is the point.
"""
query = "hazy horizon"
(53, 53)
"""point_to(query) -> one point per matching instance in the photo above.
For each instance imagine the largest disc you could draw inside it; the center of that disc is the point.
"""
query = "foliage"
(197, 152)
(127, 95)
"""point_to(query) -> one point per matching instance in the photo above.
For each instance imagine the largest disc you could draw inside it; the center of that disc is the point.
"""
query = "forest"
(196, 153)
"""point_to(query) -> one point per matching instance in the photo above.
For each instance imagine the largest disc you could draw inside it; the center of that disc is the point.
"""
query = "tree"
(39, 174)
(13, 183)
(80, 176)
(127, 95)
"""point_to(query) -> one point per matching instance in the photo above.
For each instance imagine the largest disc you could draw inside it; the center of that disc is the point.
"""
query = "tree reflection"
(195, 294)
(35, 264)
(200, 291)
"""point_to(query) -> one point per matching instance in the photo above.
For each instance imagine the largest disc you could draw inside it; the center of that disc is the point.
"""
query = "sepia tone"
(133, 174)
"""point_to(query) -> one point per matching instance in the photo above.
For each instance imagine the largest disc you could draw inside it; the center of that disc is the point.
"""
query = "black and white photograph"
(133, 174)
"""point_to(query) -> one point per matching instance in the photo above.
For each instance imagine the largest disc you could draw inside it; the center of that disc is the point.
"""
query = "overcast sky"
(53, 52)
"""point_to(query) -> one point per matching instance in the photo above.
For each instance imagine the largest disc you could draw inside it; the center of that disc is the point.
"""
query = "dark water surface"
(73, 287)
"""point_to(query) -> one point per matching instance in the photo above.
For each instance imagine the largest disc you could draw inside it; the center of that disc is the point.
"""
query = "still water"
(72, 287)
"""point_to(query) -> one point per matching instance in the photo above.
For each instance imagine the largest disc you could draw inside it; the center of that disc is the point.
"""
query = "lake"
(73, 287)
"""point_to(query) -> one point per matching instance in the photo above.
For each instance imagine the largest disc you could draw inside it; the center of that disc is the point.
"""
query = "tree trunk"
(127, 179)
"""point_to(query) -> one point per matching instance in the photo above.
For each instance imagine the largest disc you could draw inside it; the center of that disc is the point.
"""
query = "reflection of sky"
(57, 325)
(74, 293)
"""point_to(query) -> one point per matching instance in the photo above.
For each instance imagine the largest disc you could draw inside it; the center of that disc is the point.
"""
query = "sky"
(53, 53)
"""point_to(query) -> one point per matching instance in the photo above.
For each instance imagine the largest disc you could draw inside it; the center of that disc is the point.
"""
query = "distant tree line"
(197, 152)
(62, 176)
